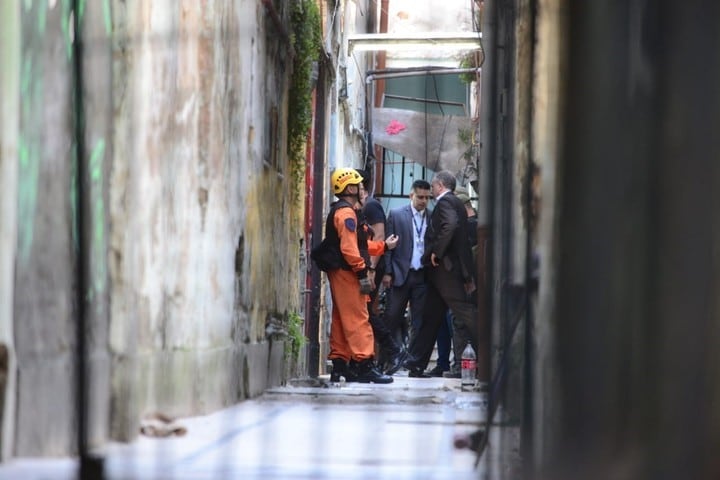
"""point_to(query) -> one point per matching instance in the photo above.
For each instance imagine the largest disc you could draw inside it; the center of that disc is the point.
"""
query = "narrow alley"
(528, 186)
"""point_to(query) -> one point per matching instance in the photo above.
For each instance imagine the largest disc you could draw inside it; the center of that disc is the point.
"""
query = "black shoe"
(407, 363)
(340, 369)
(366, 371)
(414, 371)
(437, 371)
(417, 373)
(395, 363)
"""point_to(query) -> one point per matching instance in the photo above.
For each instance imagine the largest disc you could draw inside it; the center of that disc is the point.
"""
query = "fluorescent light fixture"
(414, 41)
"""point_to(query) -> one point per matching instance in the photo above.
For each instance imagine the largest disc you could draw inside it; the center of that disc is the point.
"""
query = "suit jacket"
(397, 261)
(446, 237)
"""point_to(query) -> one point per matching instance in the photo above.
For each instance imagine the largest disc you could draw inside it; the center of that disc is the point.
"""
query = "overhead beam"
(414, 41)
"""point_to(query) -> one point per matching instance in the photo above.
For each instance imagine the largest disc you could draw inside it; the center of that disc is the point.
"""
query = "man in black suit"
(449, 270)
(404, 273)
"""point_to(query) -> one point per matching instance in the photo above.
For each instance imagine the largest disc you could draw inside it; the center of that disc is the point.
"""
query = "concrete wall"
(348, 110)
(345, 118)
(628, 371)
(9, 127)
(550, 68)
(39, 238)
(43, 300)
(192, 232)
(204, 249)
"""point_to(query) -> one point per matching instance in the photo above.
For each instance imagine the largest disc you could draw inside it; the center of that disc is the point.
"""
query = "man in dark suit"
(449, 271)
(404, 274)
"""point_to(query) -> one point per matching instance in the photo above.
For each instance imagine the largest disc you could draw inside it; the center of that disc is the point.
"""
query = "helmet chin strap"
(356, 196)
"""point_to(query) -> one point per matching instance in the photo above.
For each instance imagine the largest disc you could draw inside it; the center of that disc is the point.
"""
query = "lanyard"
(418, 229)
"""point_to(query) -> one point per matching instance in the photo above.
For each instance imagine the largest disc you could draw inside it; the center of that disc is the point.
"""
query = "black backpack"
(327, 255)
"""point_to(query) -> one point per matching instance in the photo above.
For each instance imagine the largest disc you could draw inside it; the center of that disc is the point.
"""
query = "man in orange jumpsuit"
(351, 338)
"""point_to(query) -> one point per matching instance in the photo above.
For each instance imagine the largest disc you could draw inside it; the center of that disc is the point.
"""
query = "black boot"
(366, 371)
(395, 362)
(340, 369)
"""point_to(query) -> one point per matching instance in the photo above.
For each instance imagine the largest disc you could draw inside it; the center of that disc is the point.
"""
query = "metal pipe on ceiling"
(416, 73)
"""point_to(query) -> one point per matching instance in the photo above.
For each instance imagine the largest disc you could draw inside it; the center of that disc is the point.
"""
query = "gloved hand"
(366, 286)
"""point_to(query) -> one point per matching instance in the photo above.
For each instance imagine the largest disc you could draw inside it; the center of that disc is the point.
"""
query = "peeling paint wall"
(348, 107)
(205, 240)
(43, 307)
(345, 138)
(192, 231)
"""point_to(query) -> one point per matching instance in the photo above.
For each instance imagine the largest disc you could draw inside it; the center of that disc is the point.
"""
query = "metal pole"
(312, 325)
(90, 467)
(488, 163)
(416, 73)
(526, 435)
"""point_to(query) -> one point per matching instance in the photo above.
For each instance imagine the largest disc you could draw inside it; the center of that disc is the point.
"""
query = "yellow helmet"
(342, 177)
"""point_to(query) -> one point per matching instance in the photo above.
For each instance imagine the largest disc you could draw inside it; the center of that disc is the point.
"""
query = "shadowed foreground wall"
(627, 375)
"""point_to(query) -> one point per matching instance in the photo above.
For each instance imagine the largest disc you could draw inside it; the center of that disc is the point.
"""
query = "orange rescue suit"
(351, 336)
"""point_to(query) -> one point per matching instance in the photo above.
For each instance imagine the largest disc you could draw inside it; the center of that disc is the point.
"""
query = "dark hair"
(421, 184)
(366, 178)
(446, 178)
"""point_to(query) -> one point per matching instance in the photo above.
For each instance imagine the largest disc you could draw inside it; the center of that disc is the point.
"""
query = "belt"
(416, 269)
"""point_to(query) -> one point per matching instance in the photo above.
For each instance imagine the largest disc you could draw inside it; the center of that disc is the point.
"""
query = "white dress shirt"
(419, 226)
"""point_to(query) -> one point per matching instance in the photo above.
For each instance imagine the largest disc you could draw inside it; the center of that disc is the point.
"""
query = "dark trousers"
(444, 342)
(445, 290)
(384, 337)
(413, 291)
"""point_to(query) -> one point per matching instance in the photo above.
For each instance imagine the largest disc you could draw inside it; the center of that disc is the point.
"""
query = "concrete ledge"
(276, 367)
(402, 390)
(183, 383)
(45, 408)
(255, 369)
(99, 399)
(217, 379)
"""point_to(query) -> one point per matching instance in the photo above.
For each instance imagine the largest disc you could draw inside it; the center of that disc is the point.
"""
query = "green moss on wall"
(307, 43)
